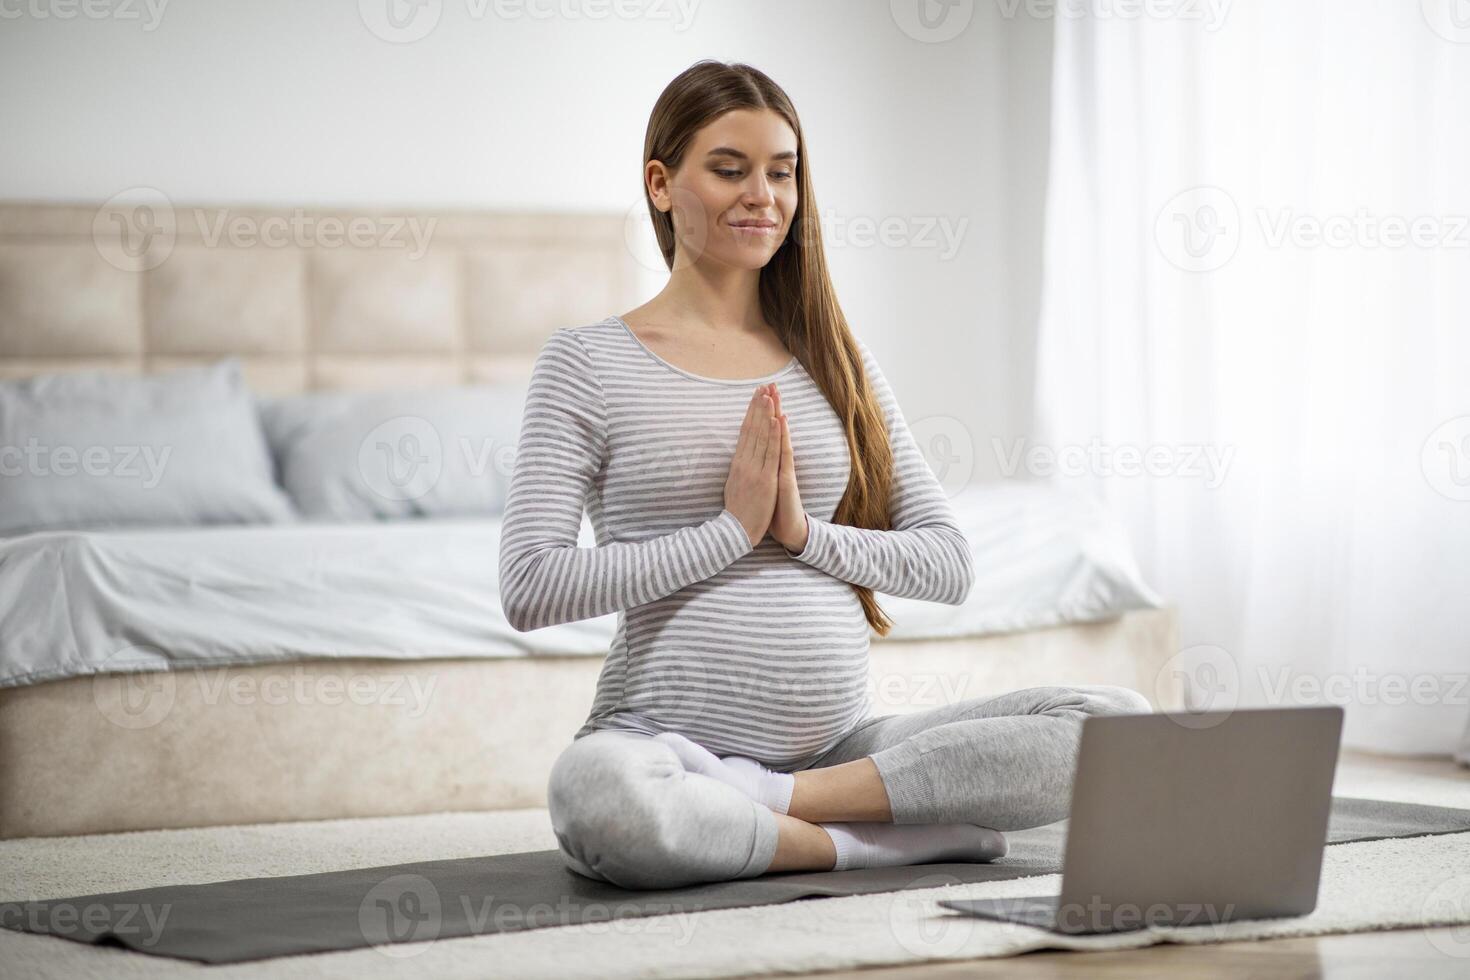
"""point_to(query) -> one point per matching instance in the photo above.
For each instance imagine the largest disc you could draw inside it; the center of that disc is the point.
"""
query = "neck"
(714, 298)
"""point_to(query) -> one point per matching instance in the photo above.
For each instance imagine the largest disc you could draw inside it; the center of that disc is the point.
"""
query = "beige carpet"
(1388, 884)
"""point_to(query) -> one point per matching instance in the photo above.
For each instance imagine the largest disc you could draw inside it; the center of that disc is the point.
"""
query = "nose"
(757, 191)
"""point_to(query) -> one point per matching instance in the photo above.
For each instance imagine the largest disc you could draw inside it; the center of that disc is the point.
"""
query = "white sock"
(766, 786)
(887, 845)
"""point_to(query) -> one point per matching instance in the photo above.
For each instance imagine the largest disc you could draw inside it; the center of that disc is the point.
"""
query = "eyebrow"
(730, 151)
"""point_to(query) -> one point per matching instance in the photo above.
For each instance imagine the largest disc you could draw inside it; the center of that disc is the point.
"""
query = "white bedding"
(74, 603)
(1044, 556)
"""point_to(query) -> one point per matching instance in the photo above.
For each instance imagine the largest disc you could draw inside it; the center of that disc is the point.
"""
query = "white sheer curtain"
(1283, 421)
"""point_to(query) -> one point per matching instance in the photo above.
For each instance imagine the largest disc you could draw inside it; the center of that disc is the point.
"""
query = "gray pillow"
(377, 455)
(92, 449)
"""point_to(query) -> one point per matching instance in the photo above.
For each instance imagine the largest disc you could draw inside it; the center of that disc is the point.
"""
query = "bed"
(284, 667)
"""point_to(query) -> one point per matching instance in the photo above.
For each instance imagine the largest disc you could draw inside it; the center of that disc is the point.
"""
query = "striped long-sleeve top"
(747, 649)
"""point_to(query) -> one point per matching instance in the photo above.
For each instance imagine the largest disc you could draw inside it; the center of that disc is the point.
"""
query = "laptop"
(1190, 819)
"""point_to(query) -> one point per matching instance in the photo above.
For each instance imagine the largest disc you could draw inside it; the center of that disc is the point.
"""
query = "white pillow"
(375, 455)
(93, 449)
(1044, 556)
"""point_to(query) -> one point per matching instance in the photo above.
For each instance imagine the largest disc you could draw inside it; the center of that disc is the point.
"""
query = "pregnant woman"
(751, 482)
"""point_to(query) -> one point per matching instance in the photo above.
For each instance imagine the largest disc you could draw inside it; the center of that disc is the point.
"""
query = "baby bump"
(767, 659)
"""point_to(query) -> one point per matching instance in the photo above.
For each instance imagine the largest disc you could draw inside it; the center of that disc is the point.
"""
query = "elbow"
(966, 584)
(965, 574)
(516, 595)
(519, 611)
(516, 614)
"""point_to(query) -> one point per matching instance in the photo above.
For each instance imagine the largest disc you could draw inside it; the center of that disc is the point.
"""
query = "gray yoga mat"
(257, 918)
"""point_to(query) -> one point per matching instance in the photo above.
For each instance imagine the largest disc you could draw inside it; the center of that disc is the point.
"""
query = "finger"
(773, 445)
(747, 427)
(788, 458)
(776, 394)
(762, 436)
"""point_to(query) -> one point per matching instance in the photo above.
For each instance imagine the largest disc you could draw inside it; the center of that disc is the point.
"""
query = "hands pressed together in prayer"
(761, 489)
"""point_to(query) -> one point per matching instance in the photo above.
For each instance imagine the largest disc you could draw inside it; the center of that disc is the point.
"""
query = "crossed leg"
(1003, 762)
(625, 811)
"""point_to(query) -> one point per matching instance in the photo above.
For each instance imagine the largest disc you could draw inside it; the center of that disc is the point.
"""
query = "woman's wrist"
(798, 546)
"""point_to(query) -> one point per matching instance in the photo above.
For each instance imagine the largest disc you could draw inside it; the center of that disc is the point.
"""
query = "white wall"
(301, 104)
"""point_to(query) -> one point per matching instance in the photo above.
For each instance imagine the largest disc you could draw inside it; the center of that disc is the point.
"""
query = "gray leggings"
(625, 812)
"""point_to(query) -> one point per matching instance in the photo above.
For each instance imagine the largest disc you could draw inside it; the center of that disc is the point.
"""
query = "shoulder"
(576, 347)
(573, 337)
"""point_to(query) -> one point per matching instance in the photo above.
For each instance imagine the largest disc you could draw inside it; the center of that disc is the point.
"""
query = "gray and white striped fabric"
(748, 650)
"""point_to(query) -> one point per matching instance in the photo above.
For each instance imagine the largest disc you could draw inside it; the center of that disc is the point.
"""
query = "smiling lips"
(756, 228)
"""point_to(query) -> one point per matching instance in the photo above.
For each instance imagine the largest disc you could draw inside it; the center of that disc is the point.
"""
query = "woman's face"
(735, 194)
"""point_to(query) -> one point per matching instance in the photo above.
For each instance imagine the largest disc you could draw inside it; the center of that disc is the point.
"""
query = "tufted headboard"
(306, 299)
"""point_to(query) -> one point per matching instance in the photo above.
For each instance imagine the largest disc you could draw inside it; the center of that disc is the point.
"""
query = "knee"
(1109, 699)
(610, 810)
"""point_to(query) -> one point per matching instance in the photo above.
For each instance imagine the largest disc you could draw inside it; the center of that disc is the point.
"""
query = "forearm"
(548, 584)
(932, 562)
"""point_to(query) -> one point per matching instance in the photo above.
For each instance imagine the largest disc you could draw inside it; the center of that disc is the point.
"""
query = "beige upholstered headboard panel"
(306, 299)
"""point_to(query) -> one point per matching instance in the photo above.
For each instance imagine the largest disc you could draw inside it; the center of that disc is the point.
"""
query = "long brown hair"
(796, 292)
